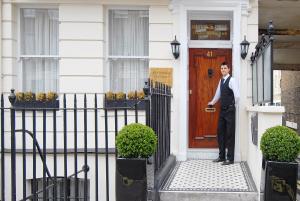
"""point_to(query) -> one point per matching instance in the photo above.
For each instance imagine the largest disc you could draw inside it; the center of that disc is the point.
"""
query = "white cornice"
(207, 3)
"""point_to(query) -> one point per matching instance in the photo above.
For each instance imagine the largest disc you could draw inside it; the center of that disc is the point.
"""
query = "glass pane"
(254, 83)
(39, 31)
(128, 74)
(260, 86)
(40, 75)
(128, 33)
(267, 74)
(210, 30)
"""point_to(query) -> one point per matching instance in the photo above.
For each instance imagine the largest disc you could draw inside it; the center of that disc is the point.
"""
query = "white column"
(183, 87)
(236, 61)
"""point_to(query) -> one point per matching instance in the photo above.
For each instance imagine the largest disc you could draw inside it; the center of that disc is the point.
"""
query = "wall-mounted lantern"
(175, 48)
(244, 48)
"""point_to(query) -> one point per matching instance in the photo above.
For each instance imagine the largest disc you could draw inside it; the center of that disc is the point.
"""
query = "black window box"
(37, 104)
(129, 104)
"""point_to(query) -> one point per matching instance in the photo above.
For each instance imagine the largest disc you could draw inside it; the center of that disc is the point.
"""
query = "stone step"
(203, 180)
(207, 196)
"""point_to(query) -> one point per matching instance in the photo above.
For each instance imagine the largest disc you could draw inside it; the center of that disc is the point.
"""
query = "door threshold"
(202, 153)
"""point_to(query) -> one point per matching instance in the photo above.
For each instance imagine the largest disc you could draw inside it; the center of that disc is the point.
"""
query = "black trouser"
(226, 132)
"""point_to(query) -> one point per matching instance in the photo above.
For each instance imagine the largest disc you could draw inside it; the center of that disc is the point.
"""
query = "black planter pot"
(280, 181)
(113, 104)
(131, 179)
(37, 104)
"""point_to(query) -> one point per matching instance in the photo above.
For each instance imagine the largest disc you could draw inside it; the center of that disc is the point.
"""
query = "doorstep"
(195, 180)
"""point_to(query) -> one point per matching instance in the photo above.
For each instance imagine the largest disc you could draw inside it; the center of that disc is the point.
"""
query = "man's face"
(225, 70)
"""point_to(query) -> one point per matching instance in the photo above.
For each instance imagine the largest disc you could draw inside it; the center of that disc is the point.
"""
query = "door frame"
(180, 10)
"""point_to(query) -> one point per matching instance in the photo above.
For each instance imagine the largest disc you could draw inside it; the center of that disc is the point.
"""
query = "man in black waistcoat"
(228, 93)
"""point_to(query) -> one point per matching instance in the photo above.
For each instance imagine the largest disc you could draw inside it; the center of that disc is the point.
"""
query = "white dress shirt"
(232, 85)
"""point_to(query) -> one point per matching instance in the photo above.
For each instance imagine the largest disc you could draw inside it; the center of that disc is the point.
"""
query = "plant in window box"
(120, 99)
(24, 99)
(51, 96)
(136, 98)
(41, 97)
(140, 95)
(109, 95)
(20, 96)
(135, 143)
(120, 96)
(115, 100)
(29, 96)
(280, 147)
(40, 100)
(110, 100)
(131, 95)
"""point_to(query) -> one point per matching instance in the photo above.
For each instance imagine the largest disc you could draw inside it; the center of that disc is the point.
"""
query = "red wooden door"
(204, 76)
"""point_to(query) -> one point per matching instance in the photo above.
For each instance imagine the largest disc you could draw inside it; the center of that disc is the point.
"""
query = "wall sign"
(210, 30)
(163, 75)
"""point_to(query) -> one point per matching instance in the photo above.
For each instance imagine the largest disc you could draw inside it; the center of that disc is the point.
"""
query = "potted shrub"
(134, 143)
(280, 147)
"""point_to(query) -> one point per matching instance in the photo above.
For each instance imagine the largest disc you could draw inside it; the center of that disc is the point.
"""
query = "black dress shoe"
(218, 160)
(227, 162)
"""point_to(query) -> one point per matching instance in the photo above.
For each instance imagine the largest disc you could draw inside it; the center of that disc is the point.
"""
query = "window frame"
(20, 56)
(108, 57)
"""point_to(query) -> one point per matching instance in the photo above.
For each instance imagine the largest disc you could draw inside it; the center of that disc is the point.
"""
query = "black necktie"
(222, 82)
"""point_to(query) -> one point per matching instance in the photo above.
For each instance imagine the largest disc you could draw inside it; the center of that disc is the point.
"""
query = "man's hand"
(210, 104)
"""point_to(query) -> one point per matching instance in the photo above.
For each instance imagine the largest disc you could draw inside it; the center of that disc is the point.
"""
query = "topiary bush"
(136, 141)
(280, 143)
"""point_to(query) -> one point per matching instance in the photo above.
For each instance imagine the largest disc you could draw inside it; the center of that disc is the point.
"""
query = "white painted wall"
(82, 64)
(268, 116)
(81, 70)
(8, 46)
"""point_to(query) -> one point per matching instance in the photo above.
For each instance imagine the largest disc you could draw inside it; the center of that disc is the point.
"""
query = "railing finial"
(12, 97)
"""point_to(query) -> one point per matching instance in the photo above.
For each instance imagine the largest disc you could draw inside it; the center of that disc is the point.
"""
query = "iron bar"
(106, 154)
(96, 148)
(24, 152)
(135, 107)
(44, 156)
(65, 151)
(85, 148)
(13, 154)
(54, 156)
(75, 146)
(2, 151)
(34, 186)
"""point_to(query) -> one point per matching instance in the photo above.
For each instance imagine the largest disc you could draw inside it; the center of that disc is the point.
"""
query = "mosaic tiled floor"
(204, 175)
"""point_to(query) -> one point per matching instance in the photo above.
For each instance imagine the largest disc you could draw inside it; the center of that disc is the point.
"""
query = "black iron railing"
(42, 135)
(262, 69)
(158, 110)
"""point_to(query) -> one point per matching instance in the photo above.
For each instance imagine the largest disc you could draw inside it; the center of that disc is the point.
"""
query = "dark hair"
(225, 64)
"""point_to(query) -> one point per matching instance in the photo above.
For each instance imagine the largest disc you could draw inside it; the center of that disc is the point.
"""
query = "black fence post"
(65, 149)
(2, 151)
(106, 154)
(96, 147)
(54, 155)
(12, 100)
(147, 93)
(75, 148)
(85, 148)
(44, 156)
